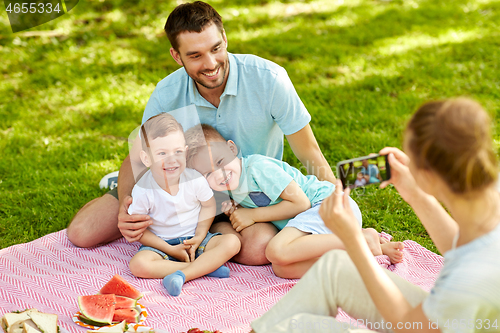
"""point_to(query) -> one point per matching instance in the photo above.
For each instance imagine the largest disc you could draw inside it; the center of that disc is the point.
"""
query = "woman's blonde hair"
(453, 138)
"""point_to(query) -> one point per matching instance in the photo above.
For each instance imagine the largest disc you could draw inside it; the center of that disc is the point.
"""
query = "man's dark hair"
(192, 17)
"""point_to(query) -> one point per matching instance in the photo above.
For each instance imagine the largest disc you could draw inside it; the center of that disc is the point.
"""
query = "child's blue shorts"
(310, 221)
(179, 240)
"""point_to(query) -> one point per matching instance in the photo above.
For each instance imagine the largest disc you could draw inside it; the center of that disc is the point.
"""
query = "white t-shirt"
(466, 296)
(172, 215)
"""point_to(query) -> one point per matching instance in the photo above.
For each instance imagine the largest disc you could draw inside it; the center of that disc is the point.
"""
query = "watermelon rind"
(98, 308)
(87, 321)
(120, 287)
(123, 302)
(129, 315)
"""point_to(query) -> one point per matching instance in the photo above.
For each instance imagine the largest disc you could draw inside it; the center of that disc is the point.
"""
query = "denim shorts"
(179, 240)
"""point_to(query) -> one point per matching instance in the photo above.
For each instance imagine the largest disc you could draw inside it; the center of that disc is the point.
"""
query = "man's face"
(168, 155)
(219, 164)
(204, 56)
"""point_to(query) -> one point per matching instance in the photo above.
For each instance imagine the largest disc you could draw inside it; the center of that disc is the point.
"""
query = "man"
(247, 99)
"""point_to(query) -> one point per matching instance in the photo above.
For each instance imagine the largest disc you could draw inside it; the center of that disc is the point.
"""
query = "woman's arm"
(294, 201)
(390, 302)
(438, 223)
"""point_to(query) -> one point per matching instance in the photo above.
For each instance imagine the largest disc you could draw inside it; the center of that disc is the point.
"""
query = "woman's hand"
(401, 177)
(337, 214)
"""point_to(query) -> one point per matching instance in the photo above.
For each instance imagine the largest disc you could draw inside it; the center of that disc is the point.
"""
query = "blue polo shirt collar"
(230, 89)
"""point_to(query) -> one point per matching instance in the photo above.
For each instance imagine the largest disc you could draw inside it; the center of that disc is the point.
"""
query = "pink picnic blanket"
(50, 273)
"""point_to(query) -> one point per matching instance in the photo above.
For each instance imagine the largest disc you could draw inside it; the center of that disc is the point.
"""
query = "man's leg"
(96, 222)
(254, 240)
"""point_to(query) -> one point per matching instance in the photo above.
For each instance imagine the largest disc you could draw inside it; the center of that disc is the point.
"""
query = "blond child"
(177, 246)
(271, 190)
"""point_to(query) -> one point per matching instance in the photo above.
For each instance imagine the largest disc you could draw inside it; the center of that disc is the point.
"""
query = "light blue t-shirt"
(263, 179)
(372, 170)
(466, 296)
(258, 106)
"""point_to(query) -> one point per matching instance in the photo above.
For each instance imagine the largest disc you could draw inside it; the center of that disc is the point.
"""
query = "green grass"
(69, 102)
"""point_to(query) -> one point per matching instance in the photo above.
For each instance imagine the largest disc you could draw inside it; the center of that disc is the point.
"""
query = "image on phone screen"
(363, 171)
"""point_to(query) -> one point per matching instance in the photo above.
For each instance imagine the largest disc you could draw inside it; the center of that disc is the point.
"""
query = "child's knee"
(276, 254)
(232, 243)
(138, 267)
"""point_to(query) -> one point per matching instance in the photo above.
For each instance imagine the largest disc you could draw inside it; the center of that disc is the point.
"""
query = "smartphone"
(364, 171)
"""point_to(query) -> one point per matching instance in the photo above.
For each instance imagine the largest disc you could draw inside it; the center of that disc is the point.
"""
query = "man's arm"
(133, 226)
(306, 148)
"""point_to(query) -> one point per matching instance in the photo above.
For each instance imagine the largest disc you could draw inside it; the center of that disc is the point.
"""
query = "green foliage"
(73, 89)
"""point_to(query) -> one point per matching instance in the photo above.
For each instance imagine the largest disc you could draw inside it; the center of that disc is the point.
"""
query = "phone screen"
(363, 171)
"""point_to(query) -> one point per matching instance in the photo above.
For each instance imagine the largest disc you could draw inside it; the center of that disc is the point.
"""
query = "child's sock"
(221, 272)
(174, 282)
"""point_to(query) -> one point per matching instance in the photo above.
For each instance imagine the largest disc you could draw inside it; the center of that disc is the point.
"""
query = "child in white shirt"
(177, 246)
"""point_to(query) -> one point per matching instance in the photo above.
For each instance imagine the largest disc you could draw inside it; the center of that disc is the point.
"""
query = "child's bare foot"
(383, 240)
(394, 250)
(372, 239)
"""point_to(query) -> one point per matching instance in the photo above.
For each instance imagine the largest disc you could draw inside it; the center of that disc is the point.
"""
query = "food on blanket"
(87, 321)
(123, 302)
(117, 328)
(98, 308)
(30, 321)
(30, 327)
(15, 320)
(116, 302)
(118, 286)
(46, 322)
(197, 330)
(128, 315)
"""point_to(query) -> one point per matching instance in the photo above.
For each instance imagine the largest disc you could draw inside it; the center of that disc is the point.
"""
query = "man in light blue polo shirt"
(258, 105)
(248, 99)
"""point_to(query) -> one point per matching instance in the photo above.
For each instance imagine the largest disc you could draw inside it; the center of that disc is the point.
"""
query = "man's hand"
(193, 243)
(241, 218)
(180, 252)
(131, 226)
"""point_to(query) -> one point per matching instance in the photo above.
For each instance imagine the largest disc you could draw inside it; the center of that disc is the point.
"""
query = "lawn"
(73, 89)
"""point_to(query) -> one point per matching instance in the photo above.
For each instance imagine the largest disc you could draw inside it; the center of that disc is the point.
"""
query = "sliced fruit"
(118, 286)
(129, 315)
(86, 320)
(116, 328)
(123, 302)
(98, 308)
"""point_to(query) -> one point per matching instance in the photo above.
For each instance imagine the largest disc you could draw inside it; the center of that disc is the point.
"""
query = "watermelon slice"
(129, 315)
(97, 308)
(86, 320)
(118, 286)
(123, 302)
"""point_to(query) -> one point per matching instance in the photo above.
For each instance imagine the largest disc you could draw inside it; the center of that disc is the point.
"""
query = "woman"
(450, 160)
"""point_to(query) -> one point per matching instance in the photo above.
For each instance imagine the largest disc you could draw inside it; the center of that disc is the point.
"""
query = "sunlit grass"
(72, 90)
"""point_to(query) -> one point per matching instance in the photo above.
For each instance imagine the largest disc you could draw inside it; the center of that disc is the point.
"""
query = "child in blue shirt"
(271, 190)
